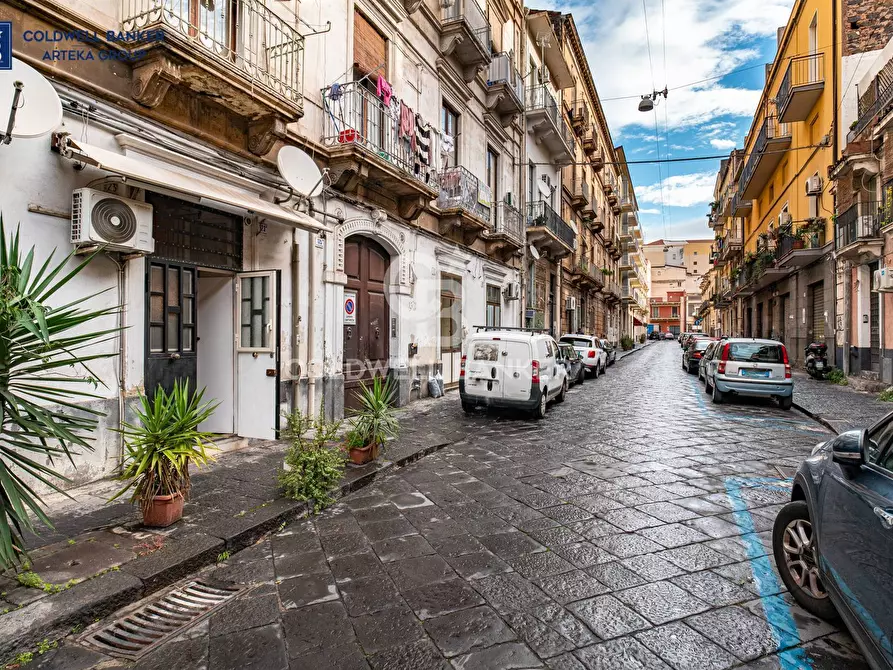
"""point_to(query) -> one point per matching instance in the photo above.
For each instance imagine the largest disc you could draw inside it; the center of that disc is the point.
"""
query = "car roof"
(756, 340)
(579, 336)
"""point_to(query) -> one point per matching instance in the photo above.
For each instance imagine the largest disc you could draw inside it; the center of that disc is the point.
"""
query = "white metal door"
(518, 370)
(216, 350)
(257, 357)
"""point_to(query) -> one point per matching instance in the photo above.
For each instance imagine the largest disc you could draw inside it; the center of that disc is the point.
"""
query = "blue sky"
(700, 39)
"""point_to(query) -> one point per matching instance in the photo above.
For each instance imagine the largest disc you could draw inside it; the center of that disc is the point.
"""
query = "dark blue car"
(833, 543)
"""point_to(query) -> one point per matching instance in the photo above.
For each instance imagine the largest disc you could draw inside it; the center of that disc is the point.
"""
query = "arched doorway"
(367, 334)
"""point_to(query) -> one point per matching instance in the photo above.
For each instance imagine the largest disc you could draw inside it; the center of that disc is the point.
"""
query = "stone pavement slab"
(473, 557)
(840, 408)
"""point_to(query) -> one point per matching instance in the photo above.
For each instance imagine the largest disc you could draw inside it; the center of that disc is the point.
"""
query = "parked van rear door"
(518, 369)
(485, 368)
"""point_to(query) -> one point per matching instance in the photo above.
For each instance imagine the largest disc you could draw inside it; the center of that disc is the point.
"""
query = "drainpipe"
(311, 331)
(847, 314)
(524, 174)
(122, 353)
(295, 318)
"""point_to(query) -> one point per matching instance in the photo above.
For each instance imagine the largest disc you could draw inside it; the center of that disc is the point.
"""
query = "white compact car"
(512, 368)
(595, 358)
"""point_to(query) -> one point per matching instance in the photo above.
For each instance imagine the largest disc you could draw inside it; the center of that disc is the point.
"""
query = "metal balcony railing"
(579, 114)
(508, 223)
(459, 189)
(360, 118)
(540, 214)
(541, 98)
(470, 12)
(244, 35)
(502, 71)
(861, 221)
(802, 71)
(875, 101)
(770, 129)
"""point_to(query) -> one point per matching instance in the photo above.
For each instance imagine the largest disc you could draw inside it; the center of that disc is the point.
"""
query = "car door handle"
(885, 517)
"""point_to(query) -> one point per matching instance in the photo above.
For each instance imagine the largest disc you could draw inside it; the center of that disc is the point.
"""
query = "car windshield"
(578, 341)
(701, 345)
(568, 351)
(755, 352)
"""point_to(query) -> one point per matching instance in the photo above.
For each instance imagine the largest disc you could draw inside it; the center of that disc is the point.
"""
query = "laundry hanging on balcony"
(384, 91)
(423, 141)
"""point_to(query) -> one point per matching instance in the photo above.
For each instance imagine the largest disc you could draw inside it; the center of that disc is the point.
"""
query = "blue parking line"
(778, 613)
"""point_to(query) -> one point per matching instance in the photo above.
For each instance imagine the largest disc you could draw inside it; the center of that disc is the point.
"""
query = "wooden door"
(367, 334)
(171, 340)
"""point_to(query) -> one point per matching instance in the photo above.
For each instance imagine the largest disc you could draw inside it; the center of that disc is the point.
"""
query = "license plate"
(755, 373)
(819, 365)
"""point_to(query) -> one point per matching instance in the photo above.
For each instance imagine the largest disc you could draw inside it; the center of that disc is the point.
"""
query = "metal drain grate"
(135, 633)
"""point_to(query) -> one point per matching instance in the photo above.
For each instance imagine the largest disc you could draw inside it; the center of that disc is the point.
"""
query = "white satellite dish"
(300, 171)
(28, 101)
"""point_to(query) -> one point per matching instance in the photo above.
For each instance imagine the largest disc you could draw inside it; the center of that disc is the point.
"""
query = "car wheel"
(595, 372)
(717, 396)
(468, 407)
(540, 411)
(793, 544)
(563, 393)
(786, 403)
(582, 376)
(707, 387)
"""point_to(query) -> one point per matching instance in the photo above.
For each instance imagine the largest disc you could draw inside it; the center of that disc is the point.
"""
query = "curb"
(815, 417)
(632, 351)
(93, 599)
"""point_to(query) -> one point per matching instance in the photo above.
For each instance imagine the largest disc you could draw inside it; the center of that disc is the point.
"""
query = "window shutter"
(369, 47)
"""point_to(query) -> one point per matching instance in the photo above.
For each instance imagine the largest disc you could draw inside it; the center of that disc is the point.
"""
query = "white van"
(512, 368)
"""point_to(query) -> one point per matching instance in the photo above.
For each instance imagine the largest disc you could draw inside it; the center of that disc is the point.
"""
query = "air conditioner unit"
(547, 180)
(883, 280)
(814, 185)
(570, 305)
(118, 224)
(512, 291)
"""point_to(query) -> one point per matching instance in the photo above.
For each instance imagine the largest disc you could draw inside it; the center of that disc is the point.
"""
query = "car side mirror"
(849, 448)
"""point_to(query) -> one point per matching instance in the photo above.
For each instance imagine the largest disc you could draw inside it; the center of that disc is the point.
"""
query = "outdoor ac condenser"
(118, 224)
(883, 280)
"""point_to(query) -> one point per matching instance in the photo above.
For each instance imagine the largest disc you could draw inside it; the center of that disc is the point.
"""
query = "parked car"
(669, 335)
(750, 367)
(610, 352)
(573, 363)
(683, 339)
(702, 364)
(834, 541)
(595, 359)
(654, 335)
(693, 352)
(517, 369)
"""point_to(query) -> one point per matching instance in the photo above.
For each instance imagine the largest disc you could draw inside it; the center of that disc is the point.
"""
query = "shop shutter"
(370, 49)
(818, 312)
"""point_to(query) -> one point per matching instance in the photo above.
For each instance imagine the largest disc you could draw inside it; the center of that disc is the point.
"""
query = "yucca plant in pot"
(46, 385)
(160, 447)
(374, 422)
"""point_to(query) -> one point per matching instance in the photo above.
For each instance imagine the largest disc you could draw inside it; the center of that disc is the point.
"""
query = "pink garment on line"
(407, 124)
(384, 90)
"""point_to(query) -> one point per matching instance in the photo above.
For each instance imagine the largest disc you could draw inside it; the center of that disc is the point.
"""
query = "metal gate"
(817, 312)
(874, 322)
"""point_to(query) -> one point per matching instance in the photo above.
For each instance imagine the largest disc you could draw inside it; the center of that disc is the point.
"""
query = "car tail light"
(787, 362)
(697, 354)
(535, 373)
(724, 356)
(591, 354)
(462, 369)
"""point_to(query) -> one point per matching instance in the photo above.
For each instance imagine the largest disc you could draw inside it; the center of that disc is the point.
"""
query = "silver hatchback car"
(750, 367)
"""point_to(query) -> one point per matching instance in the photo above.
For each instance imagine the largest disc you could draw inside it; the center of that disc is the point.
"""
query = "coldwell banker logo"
(5, 45)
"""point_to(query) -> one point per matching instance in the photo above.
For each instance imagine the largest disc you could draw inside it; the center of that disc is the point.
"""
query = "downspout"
(295, 318)
(835, 120)
(311, 331)
(122, 354)
(524, 174)
(847, 313)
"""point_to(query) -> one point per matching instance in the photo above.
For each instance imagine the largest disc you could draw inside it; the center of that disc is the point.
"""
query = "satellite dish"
(28, 101)
(300, 171)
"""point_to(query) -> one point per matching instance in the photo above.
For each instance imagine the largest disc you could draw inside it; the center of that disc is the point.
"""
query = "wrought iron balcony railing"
(541, 98)
(540, 214)
(502, 71)
(459, 189)
(358, 117)
(771, 129)
(875, 101)
(806, 70)
(861, 221)
(470, 12)
(245, 36)
(508, 223)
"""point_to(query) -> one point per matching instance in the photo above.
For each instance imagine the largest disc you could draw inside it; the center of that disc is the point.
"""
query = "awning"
(637, 322)
(210, 194)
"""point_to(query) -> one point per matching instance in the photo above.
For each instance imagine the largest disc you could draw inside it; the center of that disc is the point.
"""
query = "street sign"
(350, 308)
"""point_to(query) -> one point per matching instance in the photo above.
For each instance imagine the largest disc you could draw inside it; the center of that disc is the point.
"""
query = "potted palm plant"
(374, 422)
(160, 447)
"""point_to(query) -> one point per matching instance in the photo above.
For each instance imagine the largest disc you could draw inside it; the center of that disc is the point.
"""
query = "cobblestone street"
(629, 529)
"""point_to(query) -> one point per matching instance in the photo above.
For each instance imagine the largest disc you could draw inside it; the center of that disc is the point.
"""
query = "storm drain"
(137, 632)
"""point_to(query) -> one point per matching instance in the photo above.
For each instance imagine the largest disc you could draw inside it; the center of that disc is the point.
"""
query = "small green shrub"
(627, 343)
(642, 338)
(886, 395)
(836, 376)
(375, 422)
(313, 465)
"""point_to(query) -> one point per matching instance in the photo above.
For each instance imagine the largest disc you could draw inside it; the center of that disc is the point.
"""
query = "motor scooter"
(817, 360)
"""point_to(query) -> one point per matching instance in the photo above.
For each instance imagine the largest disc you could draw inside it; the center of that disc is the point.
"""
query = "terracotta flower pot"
(162, 511)
(363, 455)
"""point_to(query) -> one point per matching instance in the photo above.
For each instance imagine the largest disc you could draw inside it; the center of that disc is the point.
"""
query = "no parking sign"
(350, 308)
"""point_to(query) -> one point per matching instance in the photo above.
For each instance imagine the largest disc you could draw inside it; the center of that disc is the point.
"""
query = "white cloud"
(681, 147)
(704, 39)
(723, 145)
(685, 190)
(649, 211)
